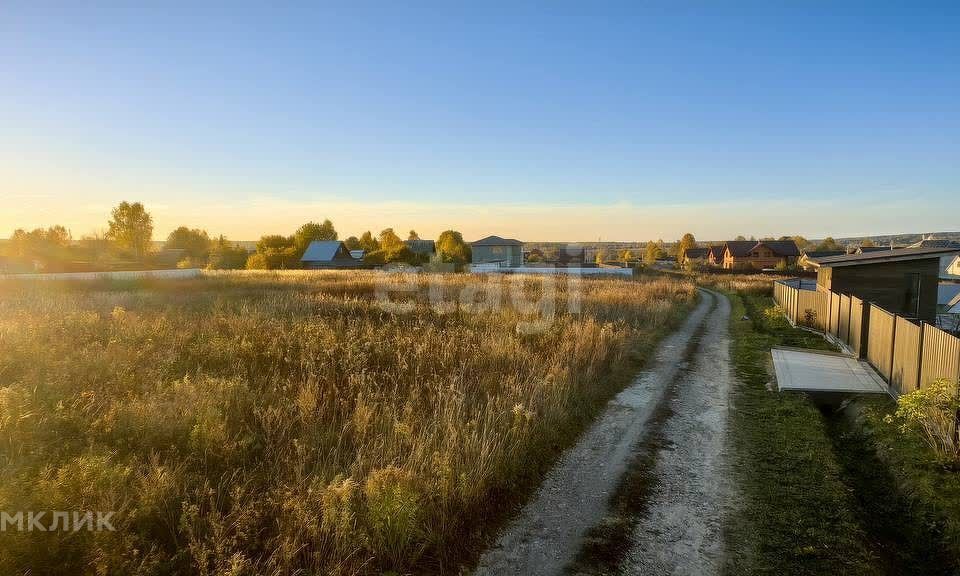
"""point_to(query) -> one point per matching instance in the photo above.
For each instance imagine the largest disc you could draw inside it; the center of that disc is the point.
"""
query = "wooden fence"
(906, 353)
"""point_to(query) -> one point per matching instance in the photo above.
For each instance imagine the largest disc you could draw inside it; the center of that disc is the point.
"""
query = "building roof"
(716, 251)
(321, 251)
(824, 253)
(421, 246)
(936, 243)
(496, 241)
(881, 257)
(696, 252)
(867, 249)
(740, 247)
(781, 247)
(948, 294)
(743, 248)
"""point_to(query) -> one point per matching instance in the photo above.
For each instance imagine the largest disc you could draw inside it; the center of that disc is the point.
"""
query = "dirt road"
(646, 489)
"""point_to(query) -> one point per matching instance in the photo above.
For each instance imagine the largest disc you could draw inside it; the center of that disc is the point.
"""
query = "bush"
(775, 318)
(933, 411)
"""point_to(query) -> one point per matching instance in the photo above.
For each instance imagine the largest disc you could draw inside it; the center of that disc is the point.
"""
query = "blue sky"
(545, 121)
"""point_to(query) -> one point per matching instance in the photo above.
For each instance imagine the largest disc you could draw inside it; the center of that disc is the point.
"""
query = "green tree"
(452, 249)
(49, 247)
(195, 243)
(801, 242)
(650, 253)
(740, 237)
(828, 244)
(312, 231)
(626, 256)
(368, 242)
(275, 252)
(352, 243)
(257, 261)
(413, 235)
(686, 242)
(131, 227)
(225, 255)
(868, 243)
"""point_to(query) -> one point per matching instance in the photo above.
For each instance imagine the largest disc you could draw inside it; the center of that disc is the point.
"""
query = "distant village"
(127, 245)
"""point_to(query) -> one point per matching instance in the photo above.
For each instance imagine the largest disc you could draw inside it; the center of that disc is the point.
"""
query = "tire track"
(550, 530)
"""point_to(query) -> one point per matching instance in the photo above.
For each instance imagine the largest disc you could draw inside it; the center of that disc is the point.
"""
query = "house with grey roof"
(947, 270)
(695, 255)
(327, 255)
(422, 247)
(503, 252)
(903, 281)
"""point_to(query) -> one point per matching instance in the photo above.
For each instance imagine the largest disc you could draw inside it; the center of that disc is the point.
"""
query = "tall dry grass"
(285, 423)
(755, 284)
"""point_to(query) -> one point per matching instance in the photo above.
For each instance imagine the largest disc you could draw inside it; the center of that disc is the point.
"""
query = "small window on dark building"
(911, 295)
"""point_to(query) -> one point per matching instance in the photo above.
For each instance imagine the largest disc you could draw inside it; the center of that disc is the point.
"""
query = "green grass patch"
(798, 516)
(909, 501)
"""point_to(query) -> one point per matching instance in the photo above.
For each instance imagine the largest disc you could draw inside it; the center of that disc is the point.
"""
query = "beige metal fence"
(834, 313)
(857, 316)
(940, 356)
(880, 341)
(907, 354)
(813, 308)
(843, 318)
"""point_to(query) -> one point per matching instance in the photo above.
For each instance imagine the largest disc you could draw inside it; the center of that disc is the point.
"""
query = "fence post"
(849, 317)
(923, 331)
(865, 311)
(829, 312)
(796, 305)
(893, 350)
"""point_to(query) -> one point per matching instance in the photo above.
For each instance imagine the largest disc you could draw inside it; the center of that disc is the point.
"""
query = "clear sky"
(542, 121)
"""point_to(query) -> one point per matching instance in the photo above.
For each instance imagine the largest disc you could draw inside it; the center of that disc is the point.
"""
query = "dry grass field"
(753, 284)
(287, 423)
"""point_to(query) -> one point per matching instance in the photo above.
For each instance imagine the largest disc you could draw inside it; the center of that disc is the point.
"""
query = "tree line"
(127, 243)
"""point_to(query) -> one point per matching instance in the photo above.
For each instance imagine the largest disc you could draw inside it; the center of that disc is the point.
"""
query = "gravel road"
(664, 433)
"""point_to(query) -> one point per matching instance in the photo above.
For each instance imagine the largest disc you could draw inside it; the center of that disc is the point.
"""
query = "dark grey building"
(901, 281)
(328, 254)
(506, 252)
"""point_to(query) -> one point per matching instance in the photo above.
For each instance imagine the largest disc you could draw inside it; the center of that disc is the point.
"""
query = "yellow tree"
(686, 242)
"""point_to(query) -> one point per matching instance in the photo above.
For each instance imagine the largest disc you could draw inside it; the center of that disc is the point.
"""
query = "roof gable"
(496, 241)
(324, 251)
(883, 256)
(739, 247)
(781, 247)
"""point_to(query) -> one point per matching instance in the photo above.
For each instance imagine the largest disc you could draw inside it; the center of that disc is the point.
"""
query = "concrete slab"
(817, 371)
